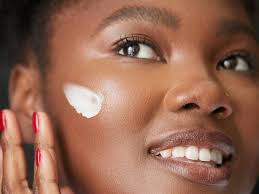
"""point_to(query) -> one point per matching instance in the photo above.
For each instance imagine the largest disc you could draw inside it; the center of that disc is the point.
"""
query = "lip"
(195, 171)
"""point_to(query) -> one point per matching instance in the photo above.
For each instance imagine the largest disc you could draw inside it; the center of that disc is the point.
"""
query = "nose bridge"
(207, 96)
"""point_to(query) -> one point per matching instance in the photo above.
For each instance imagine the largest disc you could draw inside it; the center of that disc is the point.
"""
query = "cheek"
(113, 137)
(246, 119)
(244, 94)
(130, 105)
(248, 123)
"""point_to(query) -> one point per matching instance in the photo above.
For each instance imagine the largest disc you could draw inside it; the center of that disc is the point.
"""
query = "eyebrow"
(229, 28)
(162, 16)
(153, 15)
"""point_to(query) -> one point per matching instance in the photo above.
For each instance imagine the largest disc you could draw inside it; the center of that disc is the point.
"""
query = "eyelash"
(144, 39)
(245, 55)
(137, 39)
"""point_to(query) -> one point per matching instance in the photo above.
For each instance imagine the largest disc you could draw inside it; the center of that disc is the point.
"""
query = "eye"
(236, 62)
(137, 47)
(138, 50)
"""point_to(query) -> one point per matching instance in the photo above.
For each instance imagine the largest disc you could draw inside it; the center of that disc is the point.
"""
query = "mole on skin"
(84, 100)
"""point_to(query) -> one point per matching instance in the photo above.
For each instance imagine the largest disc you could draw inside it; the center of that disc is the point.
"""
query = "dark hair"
(29, 19)
(33, 29)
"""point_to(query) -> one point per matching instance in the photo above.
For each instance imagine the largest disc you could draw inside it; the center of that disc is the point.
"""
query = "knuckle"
(6, 189)
(24, 184)
(10, 143)
(21, 187)
(43, 184)
(43, 181)
(35, 190)
(44, 145)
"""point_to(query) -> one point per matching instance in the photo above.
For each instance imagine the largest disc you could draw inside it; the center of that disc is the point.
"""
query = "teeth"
(204, 155)
(216, 156)
(192, 153)
(166, 153)
(178, 152)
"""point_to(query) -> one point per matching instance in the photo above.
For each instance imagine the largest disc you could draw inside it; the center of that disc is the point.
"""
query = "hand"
(12, 158)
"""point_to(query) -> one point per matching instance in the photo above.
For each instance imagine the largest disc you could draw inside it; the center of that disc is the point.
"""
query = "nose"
(205, 96)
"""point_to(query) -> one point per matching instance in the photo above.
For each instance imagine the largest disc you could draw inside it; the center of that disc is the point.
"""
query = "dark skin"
(144, 98)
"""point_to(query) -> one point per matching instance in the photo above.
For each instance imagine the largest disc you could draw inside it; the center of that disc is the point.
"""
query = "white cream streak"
(85, 101)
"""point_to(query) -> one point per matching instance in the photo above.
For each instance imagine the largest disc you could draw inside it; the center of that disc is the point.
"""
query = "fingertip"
(8, 114)
(12, 157)
(35, 122)
(44, 120)
(1, 154)
(1, 163)
(2, 121)
(44, 134)
(10, 130)
(42, 115)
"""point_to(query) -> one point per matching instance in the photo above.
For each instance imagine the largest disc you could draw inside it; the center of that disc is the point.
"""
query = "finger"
(66, 190)
(45, 174)
(2, 127)
(1, 166)
(14, 165)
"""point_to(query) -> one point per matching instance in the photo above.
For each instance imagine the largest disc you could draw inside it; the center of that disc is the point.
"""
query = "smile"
(200, 156)
(209, 157)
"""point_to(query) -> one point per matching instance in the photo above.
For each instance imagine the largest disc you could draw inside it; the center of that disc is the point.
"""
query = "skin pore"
(183, 46)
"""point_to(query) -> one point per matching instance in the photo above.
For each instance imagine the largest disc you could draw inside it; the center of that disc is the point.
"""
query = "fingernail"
(35, 123)
(37, 157)
(2, 121)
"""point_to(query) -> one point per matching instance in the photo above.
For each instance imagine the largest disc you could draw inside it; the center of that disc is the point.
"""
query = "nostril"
(190, 106)
(219, 110)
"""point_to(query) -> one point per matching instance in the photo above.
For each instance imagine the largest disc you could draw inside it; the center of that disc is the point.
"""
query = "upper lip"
(196, 137)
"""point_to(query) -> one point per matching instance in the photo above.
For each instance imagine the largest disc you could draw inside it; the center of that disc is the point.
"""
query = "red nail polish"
(35, 122)
(37, 157)
(2, 121)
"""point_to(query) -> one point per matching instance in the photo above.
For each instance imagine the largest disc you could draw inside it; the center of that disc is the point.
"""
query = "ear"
(25, 96)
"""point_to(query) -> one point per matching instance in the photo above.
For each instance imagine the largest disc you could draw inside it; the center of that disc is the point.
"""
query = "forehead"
(99, 9)
(109, 4)
(97, 13)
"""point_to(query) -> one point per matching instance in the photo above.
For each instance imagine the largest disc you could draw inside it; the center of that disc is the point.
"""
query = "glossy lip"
(193, 170)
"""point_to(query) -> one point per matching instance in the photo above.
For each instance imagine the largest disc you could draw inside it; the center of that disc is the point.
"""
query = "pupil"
(230, 63)
(131, 50)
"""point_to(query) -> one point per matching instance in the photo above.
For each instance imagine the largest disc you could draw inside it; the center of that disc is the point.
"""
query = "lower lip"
(196, 172)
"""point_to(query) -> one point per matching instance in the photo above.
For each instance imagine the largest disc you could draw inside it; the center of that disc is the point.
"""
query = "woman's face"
(172, 73)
